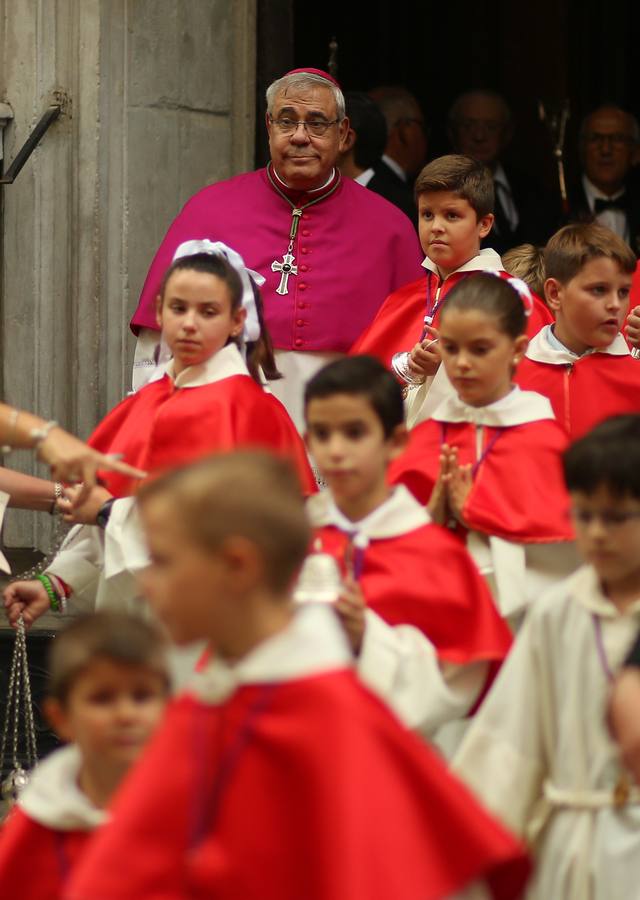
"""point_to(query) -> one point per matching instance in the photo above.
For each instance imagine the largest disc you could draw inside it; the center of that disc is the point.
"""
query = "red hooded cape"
(302, 790)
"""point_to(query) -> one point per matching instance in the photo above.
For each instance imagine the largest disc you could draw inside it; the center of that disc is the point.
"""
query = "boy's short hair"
(464, 176)
(526, 261)
(608, 456)
(571, 248)
(367, 377)
(117, 637)
(252, 494)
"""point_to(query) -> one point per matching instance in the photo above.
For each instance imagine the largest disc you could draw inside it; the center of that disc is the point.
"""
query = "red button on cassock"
(305, 232)
(302, 286)
(300, 322)
(298, 342)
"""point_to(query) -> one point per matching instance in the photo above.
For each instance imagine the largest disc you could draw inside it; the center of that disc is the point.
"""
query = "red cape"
(518, 492)
(36, 861)
(399, 323)
(596, 387)
(160, 428)
(303, 790)
(427, 579)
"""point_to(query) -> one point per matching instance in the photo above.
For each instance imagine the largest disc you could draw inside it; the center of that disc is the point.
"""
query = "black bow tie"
(601, 205)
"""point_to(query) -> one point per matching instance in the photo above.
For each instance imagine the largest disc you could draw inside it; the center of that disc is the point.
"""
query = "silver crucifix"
(286, 268)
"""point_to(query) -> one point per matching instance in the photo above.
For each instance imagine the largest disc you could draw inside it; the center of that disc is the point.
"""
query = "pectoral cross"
(286, 268)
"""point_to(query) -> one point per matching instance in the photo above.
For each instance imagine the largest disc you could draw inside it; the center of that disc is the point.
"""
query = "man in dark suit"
(608, 190)
(480, 126)
(406, 149)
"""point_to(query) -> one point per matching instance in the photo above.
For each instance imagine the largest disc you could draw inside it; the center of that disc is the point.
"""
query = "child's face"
(347, 441)
(196, 318)
(111, 711)
(450, 231)
(591, 308)
(608, 534)
(184, 583)
(478, 357)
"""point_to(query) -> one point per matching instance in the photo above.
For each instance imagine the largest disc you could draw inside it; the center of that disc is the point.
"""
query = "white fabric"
(297, 367)
(398, 662)
(395, 167)
(486, 261)
(151, 354)
(314, 190)
(517, 408)
(365, 177)
(312, 643)
(53, 797)
(4, 501)
(544, 721)
(226, 362)
(614, 219)
(541, 349)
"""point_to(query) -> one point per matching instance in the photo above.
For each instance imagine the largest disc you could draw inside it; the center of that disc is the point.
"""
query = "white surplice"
(538, 753)
(398, 662)
(516, 573)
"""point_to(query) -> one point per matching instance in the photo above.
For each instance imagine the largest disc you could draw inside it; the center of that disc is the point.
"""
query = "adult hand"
(633, 327)
(83, 512)
(73, 461)
(28, 599)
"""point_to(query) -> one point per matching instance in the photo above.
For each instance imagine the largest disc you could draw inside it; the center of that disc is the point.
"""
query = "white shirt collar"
(541, 350)
(517, 408)
(486, 261)
(313, 643)
(394, 166)
(592, 193)
(226, 362)
(53, 797)
(584, 586)
(399, 514)
(364, 177)
(315, 190)
(500, 175)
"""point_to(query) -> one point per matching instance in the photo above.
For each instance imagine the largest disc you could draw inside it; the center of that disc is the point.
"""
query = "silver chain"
(60, 532)
(19, 695)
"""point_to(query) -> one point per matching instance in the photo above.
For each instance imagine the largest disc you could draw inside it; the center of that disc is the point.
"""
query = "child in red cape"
(279, 776)
(108, 686)
(207, 401)
(422, 624)
(489, 461)
(455, 204)
(582, 362)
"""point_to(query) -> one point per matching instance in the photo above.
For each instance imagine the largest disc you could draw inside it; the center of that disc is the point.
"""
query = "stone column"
(158, 100)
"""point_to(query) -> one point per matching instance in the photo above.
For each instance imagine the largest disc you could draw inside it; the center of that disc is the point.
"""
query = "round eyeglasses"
(314, 127)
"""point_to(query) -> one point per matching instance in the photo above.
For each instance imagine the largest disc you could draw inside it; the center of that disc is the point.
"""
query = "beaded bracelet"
(54, 600)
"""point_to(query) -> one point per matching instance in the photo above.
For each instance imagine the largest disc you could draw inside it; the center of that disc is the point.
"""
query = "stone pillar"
(158, 101)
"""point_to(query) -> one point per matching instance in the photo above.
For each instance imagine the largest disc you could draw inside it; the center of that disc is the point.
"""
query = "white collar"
(540, 350)
(53, 798)
(517, 408)
(364, 177)
(394, 166)
(313, 643)
(223, 364)
(584, 586)
(399, 514)
(486, 261)
(592, 193)
(314, 190)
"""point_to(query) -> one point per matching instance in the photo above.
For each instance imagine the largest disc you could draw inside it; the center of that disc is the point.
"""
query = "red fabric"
(307, 790)
(399, 324)
(35, 861)
(596, 387)
(427, 579)
(518, 492)
(160, 428)
(309, 71)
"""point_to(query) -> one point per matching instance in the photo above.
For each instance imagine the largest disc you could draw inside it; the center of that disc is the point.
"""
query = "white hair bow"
(251, 330)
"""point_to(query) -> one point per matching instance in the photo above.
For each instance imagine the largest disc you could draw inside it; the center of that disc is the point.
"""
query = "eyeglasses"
(491, 126)
(314, 127)
(608, 518)
(617, 139)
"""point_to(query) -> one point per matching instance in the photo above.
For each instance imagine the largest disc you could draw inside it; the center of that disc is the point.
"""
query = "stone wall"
(158, 101)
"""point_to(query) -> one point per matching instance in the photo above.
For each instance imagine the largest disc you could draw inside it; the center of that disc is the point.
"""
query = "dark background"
(584, 52)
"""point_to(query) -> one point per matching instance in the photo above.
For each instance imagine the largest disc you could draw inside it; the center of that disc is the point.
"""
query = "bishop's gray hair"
(304, 80)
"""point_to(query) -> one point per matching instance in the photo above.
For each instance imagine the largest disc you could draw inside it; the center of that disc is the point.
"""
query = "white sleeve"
(79, 564)
(401, 665)
(125, 548)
